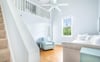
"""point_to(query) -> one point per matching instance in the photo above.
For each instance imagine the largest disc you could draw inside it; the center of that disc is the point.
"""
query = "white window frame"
(62, 26)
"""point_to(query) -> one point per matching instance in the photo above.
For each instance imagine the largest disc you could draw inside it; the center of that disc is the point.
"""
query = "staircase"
(4, 51)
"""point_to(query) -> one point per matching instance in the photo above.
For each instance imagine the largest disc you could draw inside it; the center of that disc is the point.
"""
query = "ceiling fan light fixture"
(54, 5)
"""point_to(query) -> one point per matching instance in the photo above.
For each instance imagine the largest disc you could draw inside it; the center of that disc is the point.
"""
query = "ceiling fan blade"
(46, 5)
(63, 4)
(58, 9)
(51, 9)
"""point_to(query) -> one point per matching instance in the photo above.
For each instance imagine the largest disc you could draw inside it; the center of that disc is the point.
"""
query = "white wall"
(84, 13)
(99, 7)
(38, 30)
(99, 16)
(38, 26)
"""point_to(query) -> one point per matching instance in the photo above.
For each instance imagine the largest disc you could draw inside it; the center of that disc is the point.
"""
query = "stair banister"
(22, 46)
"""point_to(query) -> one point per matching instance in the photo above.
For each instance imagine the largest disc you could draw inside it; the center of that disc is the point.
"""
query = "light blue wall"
(99, 16)
(85, 15)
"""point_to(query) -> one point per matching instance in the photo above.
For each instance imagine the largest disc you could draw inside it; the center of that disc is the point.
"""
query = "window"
(66, 26)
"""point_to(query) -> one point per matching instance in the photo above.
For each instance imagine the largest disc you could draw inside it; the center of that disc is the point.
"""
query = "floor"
(55, 55)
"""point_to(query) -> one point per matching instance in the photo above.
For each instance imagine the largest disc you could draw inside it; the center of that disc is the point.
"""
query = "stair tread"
(4, 50)
(4, 55)
(0, 14)
(3, 39)
(1, 26)
(2, 30)
(3, 43)
(1, 19)
(2, 34)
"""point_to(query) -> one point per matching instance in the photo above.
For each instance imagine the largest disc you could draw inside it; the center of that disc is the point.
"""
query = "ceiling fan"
(54, 5)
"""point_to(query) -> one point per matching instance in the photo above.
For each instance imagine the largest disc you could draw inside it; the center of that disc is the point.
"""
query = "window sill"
(67, 36)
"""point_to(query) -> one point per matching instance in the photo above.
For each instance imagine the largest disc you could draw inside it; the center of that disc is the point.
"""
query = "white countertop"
(80, 43)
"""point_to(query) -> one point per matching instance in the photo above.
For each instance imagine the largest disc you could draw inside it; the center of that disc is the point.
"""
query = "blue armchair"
(45, 44)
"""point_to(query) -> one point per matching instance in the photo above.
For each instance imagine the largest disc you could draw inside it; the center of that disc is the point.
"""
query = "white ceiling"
(50, 1)
(44, 1)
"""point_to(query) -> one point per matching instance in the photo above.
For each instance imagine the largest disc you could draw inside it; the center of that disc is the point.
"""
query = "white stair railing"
(21, 44)
(37, 9)
(32, 7)
(20, 4)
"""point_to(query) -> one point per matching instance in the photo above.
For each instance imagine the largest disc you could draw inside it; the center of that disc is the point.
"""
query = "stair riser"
(1, 20)
(1, 26)
(3, 44)
(0, 14)
(2, 34)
